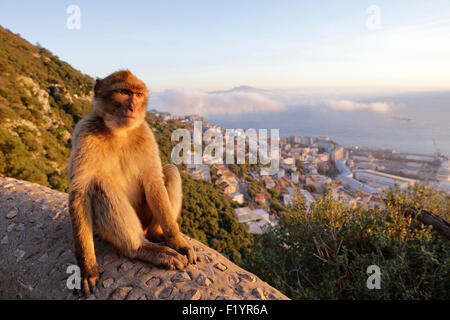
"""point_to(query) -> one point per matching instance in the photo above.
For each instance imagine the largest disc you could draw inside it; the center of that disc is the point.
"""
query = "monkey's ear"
(98, 83)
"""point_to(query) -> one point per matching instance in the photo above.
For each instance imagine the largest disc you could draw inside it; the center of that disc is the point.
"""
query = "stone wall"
(36, 250)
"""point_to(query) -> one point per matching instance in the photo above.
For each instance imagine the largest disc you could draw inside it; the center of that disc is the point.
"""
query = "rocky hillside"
(41, 99)
(36, 250)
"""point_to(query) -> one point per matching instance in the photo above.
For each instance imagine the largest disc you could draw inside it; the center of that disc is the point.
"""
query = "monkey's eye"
(139, 94)
(125, 92)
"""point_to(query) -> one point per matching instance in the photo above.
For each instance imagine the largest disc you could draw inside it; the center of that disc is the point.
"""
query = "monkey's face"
(121, 100)
(129, 106)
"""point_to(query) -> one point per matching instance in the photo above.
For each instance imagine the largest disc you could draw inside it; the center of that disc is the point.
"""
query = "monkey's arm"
(81, 213)
(81, 221)
(159, 203)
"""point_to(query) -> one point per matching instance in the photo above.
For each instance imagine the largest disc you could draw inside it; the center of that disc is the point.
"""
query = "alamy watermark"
(374, 279)
(373, 21)
(73, 22)
(213, 153)
(74, 280)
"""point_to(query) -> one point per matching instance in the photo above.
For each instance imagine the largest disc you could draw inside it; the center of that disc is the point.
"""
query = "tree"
(300, 167)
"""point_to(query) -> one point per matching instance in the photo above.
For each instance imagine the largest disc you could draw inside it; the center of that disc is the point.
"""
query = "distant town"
(308, 166)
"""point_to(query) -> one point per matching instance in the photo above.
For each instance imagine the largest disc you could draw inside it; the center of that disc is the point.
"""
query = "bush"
(324, 253)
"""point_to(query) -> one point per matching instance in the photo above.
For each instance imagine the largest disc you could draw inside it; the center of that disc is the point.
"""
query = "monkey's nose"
(130, 108)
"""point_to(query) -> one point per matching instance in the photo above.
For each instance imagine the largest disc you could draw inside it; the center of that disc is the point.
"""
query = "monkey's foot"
(171, 259)
(89, 279)
(181, 245)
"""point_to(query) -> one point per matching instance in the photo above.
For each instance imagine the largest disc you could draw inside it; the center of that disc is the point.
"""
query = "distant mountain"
(41, 99)
(240, 89)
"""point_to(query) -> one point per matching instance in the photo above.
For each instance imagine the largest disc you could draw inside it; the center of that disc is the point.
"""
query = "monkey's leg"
(117, 222)
(164, 198)
(172, 182)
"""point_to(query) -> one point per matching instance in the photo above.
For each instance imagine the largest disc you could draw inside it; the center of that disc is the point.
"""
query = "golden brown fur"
(118, 186)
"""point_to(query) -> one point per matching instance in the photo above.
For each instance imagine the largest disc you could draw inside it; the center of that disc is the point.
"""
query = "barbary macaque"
(118, 186)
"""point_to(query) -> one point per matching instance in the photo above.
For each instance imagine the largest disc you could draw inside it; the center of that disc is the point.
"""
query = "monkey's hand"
(180, 244)
(89, 278)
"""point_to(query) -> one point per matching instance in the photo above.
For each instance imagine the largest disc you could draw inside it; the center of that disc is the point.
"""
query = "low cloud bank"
(191, 101)
(188, 101)
(349, 105)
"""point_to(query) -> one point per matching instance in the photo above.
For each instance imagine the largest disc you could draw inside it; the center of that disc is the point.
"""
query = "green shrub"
(324, 253)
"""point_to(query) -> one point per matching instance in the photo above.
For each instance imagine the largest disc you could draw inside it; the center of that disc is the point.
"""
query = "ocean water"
(428, 130)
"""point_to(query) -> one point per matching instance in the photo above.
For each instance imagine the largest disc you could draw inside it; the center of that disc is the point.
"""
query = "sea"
(419, 123)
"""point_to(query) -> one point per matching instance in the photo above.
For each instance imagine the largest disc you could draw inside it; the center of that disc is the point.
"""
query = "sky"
(350, 45)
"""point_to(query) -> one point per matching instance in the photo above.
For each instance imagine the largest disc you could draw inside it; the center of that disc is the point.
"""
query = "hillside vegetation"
(41, 99)
(324, 253)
